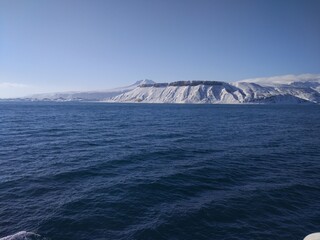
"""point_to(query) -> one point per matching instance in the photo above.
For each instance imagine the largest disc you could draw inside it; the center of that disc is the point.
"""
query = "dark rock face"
(154, 85)
(184, 83)
(199, 91)
(281, 98)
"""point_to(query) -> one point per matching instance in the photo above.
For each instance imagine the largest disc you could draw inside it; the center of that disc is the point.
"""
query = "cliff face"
(221, 92)
(280, 89)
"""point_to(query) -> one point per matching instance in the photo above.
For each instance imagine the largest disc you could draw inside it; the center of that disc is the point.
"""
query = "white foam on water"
(23, 235)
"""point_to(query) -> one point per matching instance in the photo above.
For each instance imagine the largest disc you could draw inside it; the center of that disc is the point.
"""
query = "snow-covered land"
(89, 95)
(288, 89)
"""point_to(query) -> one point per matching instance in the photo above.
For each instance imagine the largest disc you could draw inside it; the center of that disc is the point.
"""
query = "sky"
(63, 45)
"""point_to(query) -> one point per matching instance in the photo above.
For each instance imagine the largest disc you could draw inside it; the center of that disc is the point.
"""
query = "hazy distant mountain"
(87, 95)
(285, 80)
(284, 90)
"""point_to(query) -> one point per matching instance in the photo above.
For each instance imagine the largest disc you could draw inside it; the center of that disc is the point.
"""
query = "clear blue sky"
(56, 45)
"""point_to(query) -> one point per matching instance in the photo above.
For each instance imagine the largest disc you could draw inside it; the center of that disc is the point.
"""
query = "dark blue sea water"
(136, 171)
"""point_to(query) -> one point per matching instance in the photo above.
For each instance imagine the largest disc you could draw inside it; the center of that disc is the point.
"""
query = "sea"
(101, 171)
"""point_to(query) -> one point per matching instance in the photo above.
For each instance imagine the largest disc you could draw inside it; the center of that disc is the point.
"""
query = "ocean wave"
(23, 235)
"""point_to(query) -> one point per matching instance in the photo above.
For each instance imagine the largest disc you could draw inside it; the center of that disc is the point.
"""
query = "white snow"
(304, 88)
(284, 79)
(226, 93)
(89, 95)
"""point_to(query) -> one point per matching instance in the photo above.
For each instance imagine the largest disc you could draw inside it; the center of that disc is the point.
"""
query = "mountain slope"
(221, 92)
(302, 79)
(201, 93)
(305, 86)
(88, 95)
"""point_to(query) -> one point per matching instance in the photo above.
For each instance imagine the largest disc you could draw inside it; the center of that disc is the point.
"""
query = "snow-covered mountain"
(283, 89)
(285, 80)
(88, 95)
(288, 89)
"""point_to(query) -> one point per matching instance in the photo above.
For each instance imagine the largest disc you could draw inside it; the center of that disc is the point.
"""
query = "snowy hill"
(88, 95)
(305, 90)
(288, 89)
(183, 92)
(285, 80)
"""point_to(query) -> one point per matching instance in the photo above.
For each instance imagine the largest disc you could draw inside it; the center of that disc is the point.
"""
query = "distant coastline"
(288, 89)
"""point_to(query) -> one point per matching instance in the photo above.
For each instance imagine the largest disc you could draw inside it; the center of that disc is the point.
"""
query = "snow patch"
(221, 93)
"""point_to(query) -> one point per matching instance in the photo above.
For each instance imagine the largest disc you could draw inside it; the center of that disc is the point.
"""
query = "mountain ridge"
(216, 92)
(284, 89)
(97, 95)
